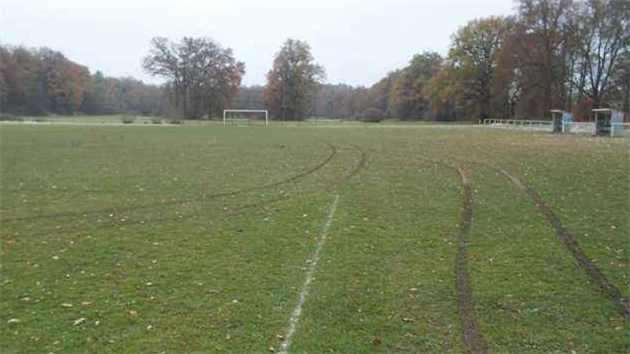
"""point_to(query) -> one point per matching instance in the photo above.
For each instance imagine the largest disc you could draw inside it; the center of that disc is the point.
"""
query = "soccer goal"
(245, 116)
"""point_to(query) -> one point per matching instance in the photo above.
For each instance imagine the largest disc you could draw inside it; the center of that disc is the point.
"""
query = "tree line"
(552, 54)
(42, 81)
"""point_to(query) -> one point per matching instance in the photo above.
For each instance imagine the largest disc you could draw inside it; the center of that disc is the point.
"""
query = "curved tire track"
(474, 340)
(359, 166)
(235, 210)
(567, 238)
(181, 201)
(355, 171)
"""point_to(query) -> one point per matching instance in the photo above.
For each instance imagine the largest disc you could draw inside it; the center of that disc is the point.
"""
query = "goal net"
(245, 116)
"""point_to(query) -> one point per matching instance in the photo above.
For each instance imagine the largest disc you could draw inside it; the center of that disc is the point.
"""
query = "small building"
(561, 121)
(608, 122)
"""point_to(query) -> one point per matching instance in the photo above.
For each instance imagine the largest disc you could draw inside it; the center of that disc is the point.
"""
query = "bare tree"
(605, 36)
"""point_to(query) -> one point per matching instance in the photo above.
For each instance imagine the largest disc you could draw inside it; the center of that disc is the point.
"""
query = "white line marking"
(295, 316)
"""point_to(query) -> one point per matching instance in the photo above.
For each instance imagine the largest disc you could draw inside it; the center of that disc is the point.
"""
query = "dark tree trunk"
(547, 91)
(626, 95)
(184, 104)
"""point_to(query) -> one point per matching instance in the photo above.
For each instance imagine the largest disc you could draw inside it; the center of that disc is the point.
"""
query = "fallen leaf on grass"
(133, 313)
(407, 319)
(79, 321)
(377, 341)
(85, 303)
(66, 304)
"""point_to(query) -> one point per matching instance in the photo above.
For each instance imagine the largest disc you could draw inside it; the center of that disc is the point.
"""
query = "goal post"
(227, 111)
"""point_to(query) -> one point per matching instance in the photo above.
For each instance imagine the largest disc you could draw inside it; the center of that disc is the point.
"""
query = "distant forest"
(552, 54)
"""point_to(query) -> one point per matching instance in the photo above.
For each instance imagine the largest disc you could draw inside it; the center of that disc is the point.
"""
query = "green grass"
(139, 119)
(135, 228)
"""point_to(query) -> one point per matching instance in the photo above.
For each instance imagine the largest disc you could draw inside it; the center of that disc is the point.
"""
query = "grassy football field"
(312, 239)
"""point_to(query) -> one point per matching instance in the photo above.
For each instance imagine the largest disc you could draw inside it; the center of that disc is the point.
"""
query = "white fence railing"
(616, 129)
(525, 124)
(580, 128)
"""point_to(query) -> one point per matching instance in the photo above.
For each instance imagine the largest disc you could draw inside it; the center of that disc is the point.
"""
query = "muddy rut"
(474, 340)
(567, 238)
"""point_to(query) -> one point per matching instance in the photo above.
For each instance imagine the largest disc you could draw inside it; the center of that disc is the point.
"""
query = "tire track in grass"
(235, 210)
(472, 337)
(353, 173)
(567, 238)
(182, 201)
(359, 166)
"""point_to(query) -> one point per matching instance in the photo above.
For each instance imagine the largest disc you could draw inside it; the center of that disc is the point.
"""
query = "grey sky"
(356, 42)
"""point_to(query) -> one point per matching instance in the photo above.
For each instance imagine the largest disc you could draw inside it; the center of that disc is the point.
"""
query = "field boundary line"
(471, 335)
(567, 238)
(295, 315)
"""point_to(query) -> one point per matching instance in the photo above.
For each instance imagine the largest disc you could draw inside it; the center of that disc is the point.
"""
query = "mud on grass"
(574, 248)
(530, 294)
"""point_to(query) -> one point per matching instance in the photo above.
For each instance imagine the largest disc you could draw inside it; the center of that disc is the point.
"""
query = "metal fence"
(524, 124)
(617, 129)
(580, 128)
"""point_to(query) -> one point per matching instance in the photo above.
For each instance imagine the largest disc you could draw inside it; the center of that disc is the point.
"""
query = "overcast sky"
(356, 42)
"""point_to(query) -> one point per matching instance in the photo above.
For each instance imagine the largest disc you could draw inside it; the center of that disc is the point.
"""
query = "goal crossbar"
(226, 111)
